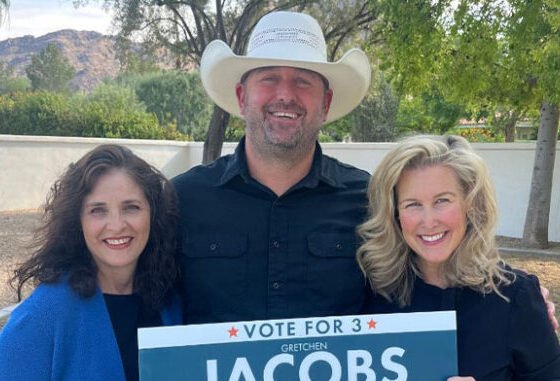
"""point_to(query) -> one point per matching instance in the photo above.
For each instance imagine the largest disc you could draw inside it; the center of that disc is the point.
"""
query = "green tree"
(488, 55)
(50, 70)
(115, 112)
(186, 27)
(134, 59)
(9, 83)
(175, 97)
(457, 48)
(374, 120)
(428, 113)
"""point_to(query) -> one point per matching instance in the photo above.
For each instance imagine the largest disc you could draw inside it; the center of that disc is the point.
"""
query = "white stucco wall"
(29, 165)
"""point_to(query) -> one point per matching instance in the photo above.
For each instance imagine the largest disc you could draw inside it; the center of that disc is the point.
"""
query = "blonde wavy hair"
(385, 258)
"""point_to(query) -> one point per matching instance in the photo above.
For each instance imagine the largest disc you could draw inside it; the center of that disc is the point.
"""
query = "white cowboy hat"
(285, 39)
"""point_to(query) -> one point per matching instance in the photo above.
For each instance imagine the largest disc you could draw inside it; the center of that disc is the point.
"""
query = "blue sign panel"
(411, 346)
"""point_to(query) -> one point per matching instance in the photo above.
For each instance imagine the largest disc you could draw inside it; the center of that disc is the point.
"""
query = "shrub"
(175, 97)
(114, 112)
(110, 111)
(478, 135)
(37, 113)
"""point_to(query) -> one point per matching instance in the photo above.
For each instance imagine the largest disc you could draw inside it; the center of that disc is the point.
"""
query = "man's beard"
(302, 138)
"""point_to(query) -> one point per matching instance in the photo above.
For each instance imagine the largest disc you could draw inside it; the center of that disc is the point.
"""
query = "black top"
(497, 340)
(248, 254)
(128, 313)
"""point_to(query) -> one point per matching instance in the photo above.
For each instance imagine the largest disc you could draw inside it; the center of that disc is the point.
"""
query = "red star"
(371, 324)
(233, 332)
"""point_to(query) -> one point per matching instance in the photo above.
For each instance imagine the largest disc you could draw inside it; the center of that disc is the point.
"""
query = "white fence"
(30, 164)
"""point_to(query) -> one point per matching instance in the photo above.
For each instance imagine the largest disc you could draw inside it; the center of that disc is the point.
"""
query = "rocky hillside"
(90, 53)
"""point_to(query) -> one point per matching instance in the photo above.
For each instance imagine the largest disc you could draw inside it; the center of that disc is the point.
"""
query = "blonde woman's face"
(432, 213)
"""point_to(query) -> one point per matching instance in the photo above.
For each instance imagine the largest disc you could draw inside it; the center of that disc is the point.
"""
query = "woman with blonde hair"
(429, 245)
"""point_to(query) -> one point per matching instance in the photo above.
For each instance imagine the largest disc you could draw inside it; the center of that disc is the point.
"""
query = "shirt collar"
(321, 170)
(237, 165)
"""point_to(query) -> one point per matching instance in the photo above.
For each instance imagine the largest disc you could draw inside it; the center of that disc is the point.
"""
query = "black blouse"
(128, 313)
(497, 340)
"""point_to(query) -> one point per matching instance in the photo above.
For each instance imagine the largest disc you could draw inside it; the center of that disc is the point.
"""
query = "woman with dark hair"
(429, 245)
(103, 263)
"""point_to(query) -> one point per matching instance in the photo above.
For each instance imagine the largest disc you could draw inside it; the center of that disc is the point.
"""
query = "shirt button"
(276, 285)
(276, 244)
(213, 247)
(339, 246)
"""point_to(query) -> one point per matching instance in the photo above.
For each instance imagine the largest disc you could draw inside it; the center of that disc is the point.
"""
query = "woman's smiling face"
(115, 220)
(433, 215)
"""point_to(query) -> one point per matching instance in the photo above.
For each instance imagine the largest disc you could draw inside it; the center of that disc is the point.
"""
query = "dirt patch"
(16, 231)
(518, 244)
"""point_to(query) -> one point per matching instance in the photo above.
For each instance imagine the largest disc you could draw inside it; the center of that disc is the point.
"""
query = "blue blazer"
(57, 335)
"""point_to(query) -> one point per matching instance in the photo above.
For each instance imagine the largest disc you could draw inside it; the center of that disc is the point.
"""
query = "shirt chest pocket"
(334, 280)
(214, 246)
(332, 245)
(214, 266)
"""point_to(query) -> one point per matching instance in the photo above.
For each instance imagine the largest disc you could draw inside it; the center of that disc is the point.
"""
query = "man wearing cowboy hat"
(269, 231)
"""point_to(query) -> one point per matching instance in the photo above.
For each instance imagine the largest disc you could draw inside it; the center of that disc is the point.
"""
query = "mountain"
(90, 53)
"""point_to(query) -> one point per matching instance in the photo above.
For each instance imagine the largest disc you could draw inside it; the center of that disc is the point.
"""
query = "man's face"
(284, 108)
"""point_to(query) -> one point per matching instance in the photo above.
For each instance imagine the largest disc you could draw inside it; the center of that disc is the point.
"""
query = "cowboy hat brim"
(221, 70)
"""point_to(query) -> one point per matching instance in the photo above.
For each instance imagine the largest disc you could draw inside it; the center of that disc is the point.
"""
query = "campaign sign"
(407, 346)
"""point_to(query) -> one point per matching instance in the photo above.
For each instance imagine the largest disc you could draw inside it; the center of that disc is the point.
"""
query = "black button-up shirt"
(247, 254)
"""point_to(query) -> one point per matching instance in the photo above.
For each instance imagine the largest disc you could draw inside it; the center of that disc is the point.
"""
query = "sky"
(39, 17)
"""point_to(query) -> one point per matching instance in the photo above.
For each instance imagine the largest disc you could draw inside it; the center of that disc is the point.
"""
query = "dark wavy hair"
(59, 248)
